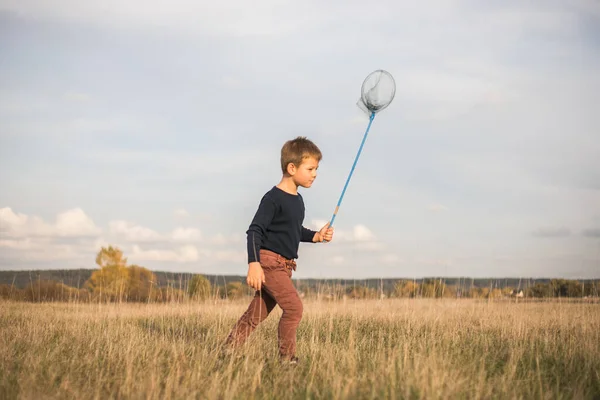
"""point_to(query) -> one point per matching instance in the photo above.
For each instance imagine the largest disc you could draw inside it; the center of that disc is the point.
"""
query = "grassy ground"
(353, 349)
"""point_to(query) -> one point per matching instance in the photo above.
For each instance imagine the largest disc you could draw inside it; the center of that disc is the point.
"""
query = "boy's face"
(306, 173)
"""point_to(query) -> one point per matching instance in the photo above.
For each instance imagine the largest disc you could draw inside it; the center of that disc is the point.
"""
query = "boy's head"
(300, 159)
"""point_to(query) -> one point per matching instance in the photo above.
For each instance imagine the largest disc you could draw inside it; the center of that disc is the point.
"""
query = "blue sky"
(156, 126)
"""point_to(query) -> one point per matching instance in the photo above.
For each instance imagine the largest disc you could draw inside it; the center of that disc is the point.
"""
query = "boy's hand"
(325, 234)
(256, 275)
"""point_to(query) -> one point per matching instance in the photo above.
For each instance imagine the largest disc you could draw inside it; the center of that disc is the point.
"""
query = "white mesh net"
(377, 92)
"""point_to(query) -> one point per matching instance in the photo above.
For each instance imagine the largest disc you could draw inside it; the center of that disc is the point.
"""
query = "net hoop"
(377, 91)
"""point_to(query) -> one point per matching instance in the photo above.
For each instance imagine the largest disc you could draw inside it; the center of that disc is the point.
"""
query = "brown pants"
(277, 289)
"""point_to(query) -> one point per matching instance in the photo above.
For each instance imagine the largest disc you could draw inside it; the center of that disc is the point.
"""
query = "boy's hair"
(296, 150)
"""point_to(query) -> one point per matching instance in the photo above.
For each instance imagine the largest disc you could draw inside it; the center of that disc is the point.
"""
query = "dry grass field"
(397, 349)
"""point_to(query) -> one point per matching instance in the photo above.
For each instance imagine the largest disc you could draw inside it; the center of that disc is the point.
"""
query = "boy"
(273, 239)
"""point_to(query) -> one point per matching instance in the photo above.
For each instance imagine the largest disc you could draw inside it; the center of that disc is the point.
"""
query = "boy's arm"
(256, 275)
(255, 236)
(325, 234)
(309, 235)
(258, 228)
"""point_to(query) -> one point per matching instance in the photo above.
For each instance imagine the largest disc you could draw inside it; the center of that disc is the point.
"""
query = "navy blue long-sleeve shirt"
(277, 225)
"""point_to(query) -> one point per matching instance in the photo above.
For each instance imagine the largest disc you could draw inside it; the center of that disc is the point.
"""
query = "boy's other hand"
(256, 276)
(325, 234)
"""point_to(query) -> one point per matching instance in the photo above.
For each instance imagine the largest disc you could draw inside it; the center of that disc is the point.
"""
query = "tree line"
(115, 280)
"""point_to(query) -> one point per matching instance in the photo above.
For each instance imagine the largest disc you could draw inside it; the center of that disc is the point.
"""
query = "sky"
(156, 126)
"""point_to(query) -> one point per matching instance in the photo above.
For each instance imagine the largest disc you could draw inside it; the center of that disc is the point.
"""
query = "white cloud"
(75, 223)
(361, 237)
(19, 244)
(317, 224)
(359, 232)
(71, 223)
(186, 235)
(363, 234)
(132, 232)
(184, 254)
(99, 243)
(30, 238)
(19, 225)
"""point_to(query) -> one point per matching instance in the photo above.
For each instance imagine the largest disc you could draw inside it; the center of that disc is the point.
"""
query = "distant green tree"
(591, 288)
(539, 290)
(433, 288)
(361, 292)
(235, 290)
(199, 287)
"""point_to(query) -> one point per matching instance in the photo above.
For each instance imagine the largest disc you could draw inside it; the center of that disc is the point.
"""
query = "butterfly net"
(377, 92)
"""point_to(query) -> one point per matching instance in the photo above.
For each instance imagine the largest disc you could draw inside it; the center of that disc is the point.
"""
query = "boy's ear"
(291, 169)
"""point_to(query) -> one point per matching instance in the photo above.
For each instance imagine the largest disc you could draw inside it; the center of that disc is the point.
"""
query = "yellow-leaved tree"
(406, 288)
(110, 282)
(141, 283)
(111, 256)
(115, 281)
